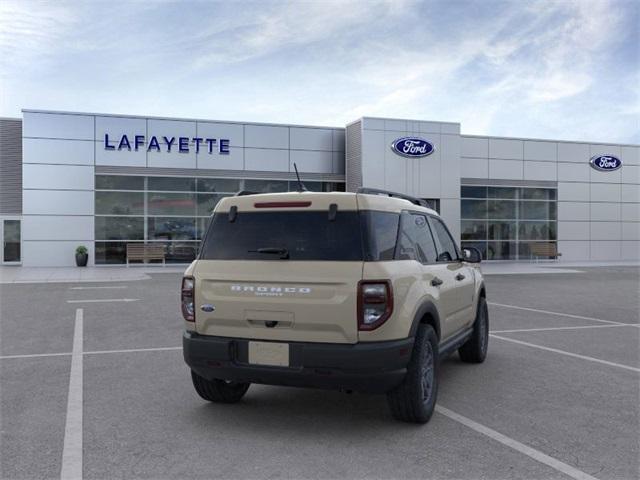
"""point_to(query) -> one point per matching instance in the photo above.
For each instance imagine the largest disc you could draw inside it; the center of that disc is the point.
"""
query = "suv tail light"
(186, 299)
(375, 303)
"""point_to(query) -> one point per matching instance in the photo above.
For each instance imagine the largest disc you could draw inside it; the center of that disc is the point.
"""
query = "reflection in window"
(167, 228)
(160, 203)
(119, 228)
(119, 203)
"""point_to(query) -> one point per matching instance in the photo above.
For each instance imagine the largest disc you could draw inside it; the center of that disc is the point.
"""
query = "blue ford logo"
(412, 147)
(605, 163)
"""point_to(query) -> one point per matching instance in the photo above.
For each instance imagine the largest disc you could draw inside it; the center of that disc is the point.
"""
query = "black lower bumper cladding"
(373, 367)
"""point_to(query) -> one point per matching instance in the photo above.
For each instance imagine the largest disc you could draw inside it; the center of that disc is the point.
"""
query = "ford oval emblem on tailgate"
(207, 308)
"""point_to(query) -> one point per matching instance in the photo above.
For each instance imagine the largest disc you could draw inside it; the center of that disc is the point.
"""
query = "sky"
(537, 69)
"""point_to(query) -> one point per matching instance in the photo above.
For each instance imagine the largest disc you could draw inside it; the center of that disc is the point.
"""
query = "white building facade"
(105, 181)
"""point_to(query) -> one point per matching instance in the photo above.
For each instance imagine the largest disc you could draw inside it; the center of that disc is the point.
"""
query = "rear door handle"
(436, 282)
(460, 277)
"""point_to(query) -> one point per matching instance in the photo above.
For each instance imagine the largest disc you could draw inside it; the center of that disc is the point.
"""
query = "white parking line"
(72, 446)
(564, 328)
(34, 355)
(90, 352)
(515, 445)
(133, 350)
(100, 300)
(97, 288)
(560, 314)
(569, 354)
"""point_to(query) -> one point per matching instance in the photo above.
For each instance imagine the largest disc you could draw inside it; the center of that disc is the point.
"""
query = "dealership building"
(108, 181)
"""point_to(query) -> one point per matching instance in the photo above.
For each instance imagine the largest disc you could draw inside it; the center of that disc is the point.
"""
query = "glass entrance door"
(11, 241)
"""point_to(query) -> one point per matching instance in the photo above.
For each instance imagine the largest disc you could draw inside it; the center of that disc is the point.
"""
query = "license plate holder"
(272, 354)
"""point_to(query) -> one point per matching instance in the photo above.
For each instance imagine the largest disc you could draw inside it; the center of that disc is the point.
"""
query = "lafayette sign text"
(158, 144)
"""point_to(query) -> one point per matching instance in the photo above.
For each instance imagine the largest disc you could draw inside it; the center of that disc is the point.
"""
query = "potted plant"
(82, 256)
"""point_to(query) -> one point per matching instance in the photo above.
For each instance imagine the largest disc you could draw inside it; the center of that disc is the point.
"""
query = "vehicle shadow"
(302, 410)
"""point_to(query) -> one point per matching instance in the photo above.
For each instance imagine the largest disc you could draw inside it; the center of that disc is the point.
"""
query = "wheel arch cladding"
(427, 314)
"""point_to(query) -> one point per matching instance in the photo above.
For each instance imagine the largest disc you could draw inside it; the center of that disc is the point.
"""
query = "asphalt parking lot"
(98, 388)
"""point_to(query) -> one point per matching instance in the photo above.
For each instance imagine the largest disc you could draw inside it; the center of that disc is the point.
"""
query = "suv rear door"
(458, 279)
(281, 269)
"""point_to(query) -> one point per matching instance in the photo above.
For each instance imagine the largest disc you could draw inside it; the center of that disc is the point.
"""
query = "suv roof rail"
(242, 193)
(377, 191)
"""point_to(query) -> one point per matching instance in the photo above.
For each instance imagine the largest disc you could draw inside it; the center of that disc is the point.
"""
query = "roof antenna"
(301, 187)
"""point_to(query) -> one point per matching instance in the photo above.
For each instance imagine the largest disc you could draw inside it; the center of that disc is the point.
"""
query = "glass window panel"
(119, 203)
(476, 209)
(227, 185)
(501, 250)
(538, 194)
(337, 187)
(500, 209)
(171, 228)
(473, 192)
(524, 249)
(171, 203)
(502, 230)
(311, 186)
(502, 192)
(180, 252)
(206, 204)
(537, 210)
(119, 182)
(119, 228)
(175, 184)
(473, 230)
(537, 231)
(265, 186)
(201, 227)
(111, 253)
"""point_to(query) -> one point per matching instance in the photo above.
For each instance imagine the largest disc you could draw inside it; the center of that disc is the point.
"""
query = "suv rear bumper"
(374, 367)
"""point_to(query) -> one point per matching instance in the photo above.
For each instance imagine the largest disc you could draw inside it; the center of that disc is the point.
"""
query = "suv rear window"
(303, 235)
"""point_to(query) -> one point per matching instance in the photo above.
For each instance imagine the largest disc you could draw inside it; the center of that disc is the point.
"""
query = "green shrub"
(81, 250)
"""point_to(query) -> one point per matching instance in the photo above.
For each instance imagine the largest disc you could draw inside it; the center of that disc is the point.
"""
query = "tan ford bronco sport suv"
(358, 291)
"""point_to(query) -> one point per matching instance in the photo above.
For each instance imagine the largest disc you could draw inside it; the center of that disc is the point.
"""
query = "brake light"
(281, 204)
(186, 299)
(375, 303)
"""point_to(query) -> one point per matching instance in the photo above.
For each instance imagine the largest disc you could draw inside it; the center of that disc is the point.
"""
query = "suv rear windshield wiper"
(283, 252)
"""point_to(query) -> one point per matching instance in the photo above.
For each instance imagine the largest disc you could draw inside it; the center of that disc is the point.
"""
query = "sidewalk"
(529, 268)
(11, 274)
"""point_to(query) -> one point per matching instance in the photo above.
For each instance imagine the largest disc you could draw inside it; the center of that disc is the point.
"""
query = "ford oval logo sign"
(412, 147)
(605, 163)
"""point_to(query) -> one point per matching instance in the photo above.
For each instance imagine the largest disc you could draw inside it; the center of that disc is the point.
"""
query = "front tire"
(475, 349)
(415, 398)
(218, 391)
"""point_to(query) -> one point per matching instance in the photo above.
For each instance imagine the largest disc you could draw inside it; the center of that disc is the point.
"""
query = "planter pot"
(82, 259)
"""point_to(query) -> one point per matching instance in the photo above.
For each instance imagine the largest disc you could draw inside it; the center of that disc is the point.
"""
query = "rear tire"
(475, 349)
(218, 391)
(415, 398)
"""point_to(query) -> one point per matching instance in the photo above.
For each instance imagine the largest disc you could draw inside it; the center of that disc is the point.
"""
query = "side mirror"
(471, 255)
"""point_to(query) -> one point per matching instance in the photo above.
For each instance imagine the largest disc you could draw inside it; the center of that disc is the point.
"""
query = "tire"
(475, 349)
(219, 391)
(415, 398)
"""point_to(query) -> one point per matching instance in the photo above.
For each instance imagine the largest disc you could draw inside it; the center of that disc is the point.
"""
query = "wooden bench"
(144, 252)
(546, 250)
